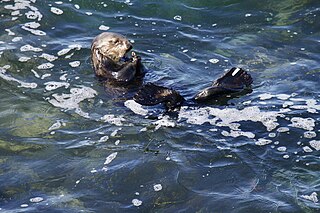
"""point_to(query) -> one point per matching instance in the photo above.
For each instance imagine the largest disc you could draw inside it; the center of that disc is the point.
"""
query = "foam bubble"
(282, 149)
(16, 39)
(303, 123)
(164, 122)
(55, 126)
(72, 100)
(157, 187)
(235, 133)
(315, 144)
(113, 119)
(214, 60)
(307, 149)
(310, 134)
(263, 141)
(104, 138)
(313, 197)
(56, 10)
(48, 57)
(177, 18)
(136, 202)
(110, 158)
(24, 59)
(36, 199)
(135, 107)
(53, 85)
(229, 116)
(45, 66)
(28, 47)
(74, 63)
(104, 28)
(34, 15)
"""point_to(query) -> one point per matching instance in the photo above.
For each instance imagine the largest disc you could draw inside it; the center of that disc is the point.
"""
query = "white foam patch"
(307, 149)
(67, 50)
(313, 197)
(135, 107)
(115, 132)
(34, 15)
(303, 123)
(283, 129)
(72, 100)
(157, 187)
(164, 121)
(6, 77)
(56, 10)
(45, 66)
(104, 139)
(28, 47)
(214, 60)
(33, 25)
(74, 63)
(263, 142)
(236, 133)
(112, 119)
(229, 116)
(104, 28)
(53, 85)
(55, 126)
(110, 158)
(16, 39)
(48, 57)
(24, 59)
(267, 96)
(34, 31)
(36, 199)
(315, 144)
(10, 33)
(136, 202)
(282, 149)
(310, 134)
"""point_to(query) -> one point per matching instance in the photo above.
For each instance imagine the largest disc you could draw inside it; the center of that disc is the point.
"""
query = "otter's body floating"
(233, 81)
(108, 54)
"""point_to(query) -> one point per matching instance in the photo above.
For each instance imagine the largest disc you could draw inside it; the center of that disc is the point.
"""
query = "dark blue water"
(68, 144)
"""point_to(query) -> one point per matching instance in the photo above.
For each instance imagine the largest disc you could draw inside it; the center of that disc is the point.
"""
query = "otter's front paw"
(135, 58)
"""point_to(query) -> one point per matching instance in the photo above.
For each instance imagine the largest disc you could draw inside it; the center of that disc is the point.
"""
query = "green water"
(68, 144)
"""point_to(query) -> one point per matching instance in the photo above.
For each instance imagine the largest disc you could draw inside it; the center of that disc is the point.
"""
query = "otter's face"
(111, 45)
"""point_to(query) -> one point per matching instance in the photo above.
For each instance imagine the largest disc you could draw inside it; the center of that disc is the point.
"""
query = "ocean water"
(70, 144)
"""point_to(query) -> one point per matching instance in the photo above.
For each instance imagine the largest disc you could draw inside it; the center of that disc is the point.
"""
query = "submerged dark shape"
(108, 54)
(233, 81)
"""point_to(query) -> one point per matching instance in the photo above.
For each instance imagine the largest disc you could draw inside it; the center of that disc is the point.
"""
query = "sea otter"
(108, 54)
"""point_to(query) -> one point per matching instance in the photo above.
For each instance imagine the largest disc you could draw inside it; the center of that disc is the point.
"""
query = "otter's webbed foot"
(235, 80)
(151, 94)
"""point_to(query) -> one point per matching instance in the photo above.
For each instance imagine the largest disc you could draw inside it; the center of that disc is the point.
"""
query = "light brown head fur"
(111, 45)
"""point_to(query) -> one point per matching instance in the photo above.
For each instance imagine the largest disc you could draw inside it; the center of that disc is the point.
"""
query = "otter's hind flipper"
(235, 80)
(151, 94)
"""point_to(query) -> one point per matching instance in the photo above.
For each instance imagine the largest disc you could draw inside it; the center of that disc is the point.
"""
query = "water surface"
(68, 144)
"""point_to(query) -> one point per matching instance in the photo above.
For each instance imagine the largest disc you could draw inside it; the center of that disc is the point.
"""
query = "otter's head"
(111, 45)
